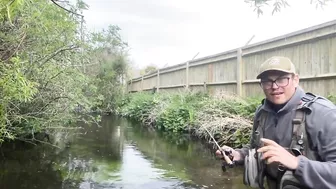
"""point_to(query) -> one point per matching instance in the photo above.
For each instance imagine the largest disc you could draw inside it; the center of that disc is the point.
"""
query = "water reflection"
(25, 167)
(120, 154)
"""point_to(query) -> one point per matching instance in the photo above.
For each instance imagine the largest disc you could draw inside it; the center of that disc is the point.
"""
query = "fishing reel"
(227, 155)
(225, 164)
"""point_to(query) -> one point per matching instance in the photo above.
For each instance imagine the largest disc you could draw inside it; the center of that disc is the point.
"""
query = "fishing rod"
(226, 158)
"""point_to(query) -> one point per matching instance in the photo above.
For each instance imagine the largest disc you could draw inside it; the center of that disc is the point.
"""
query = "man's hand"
(234, 153)
(273, 152)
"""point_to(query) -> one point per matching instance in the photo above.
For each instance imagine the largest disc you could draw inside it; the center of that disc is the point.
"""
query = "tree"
(278, 4)
(43, 61)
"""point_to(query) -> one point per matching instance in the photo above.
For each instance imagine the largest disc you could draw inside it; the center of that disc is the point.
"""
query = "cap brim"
(279, 70)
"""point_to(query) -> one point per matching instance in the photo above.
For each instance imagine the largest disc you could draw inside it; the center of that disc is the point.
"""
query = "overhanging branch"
(47, 58)
(66, 9)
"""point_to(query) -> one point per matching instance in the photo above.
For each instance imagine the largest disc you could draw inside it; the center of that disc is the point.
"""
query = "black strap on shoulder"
(299, 133)
(298, 139)
(308, 99)
(300, 144)
(259, 130)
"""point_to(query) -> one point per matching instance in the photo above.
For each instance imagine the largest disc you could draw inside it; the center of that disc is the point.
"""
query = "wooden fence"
(312, 50)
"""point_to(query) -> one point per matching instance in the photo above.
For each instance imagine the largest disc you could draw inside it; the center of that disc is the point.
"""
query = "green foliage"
(46, 81)
(109, 81)
(258, 5)
(332, 98)
(192, 112)
(174, 118)
(138, 106)
(244, 107)
(15, 86)
(34, 97)
(174, 113)
(108, 39)
(109, 66)
(15, 89)
(8, 9)
(179, 114)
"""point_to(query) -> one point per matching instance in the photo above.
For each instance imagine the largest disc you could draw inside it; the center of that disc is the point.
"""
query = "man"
(280, 84)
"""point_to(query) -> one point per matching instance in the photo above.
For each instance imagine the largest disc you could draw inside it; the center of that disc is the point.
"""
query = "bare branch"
(47, 58)
(66, 9)
(53, 77)
(17, 48)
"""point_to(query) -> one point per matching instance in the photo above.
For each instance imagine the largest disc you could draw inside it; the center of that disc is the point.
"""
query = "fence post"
(131, 90)
(187, 75)
(142, 83)
(158, 81)
(239, 72)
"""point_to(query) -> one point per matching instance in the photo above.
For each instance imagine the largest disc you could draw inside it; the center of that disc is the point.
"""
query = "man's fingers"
(269, 154)
(265, 149)
(224, 148)
(272, 159)
(220, 153)
(268, 142)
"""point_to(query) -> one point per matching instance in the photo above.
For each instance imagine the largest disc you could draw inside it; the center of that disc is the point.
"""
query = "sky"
(169, 32)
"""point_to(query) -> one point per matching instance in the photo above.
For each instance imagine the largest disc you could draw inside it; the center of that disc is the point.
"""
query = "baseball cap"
(276, 63)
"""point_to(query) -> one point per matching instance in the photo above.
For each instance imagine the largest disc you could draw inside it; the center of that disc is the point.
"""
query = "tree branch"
(59, 73)
(38, 112)
(56, 53)
(17, 48)
(66, 9)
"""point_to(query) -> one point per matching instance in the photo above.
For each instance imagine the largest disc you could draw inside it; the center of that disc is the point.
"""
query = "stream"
(120, 154)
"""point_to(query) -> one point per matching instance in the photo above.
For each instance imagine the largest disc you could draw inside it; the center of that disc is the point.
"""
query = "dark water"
(120, 154)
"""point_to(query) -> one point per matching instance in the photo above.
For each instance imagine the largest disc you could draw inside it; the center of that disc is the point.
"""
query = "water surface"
(120, 154)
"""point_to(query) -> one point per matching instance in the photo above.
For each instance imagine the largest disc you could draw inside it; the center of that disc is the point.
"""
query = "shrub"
(229, 117)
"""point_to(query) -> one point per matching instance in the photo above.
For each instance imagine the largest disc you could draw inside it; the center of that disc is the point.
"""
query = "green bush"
(50, 76)
(332, 98)
(185, 112)
(138, 106)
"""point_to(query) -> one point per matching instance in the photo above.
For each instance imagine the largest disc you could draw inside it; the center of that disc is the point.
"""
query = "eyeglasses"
(280, 82)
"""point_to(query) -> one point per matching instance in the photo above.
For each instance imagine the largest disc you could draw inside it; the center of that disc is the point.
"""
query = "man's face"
(279, 87)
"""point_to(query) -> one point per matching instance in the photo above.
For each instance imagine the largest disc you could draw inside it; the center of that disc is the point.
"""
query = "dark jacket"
(321, 129)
